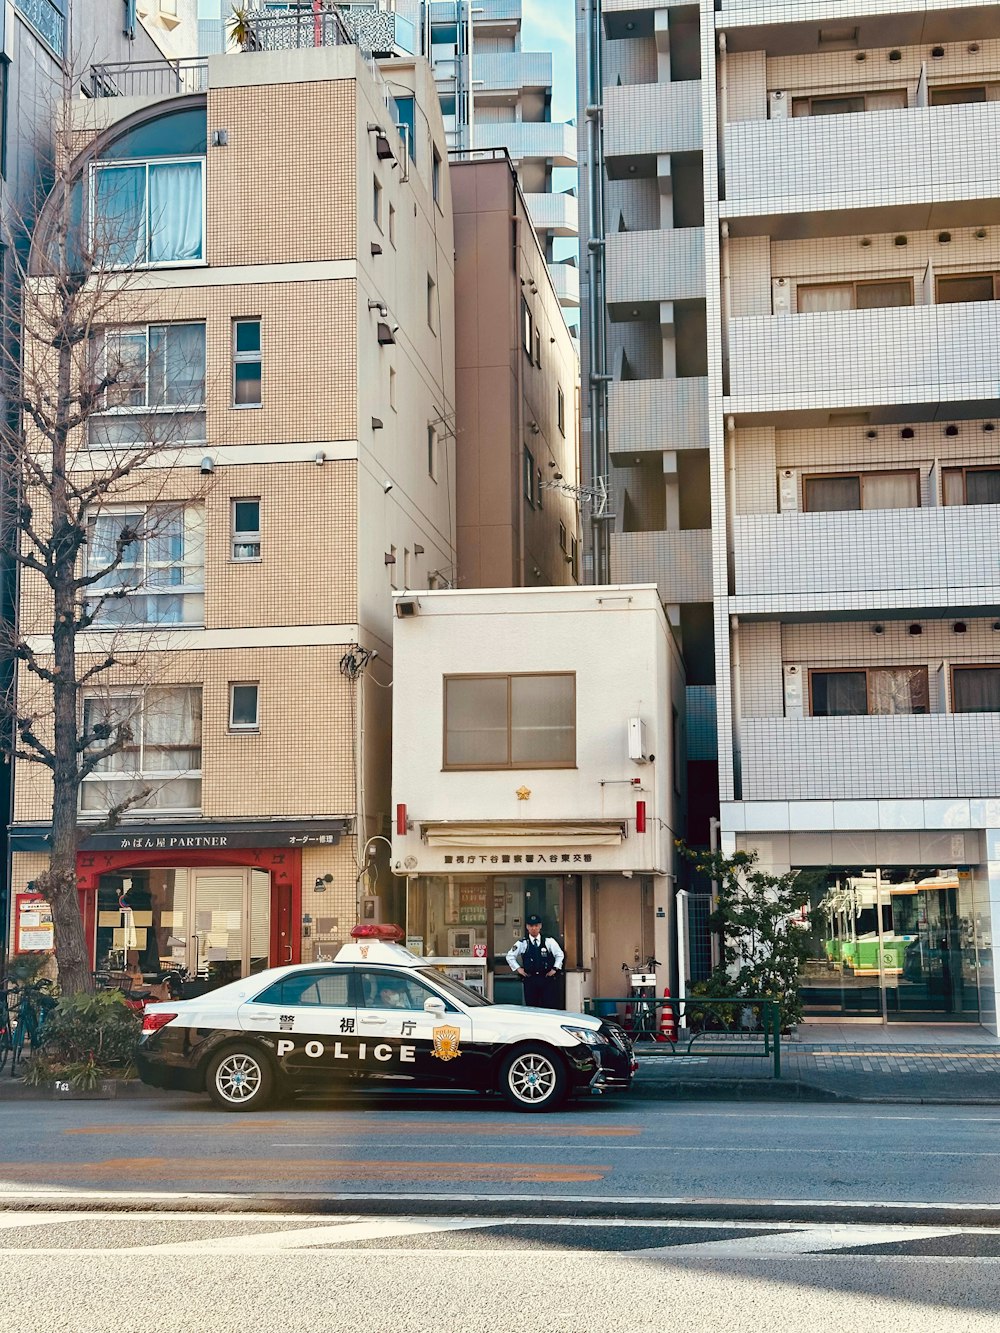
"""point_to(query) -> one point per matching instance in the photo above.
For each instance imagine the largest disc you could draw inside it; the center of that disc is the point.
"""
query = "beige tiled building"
(302, 277)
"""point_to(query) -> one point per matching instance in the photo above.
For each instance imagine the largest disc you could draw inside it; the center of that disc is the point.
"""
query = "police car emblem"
(286, 1022)
(446, 1041)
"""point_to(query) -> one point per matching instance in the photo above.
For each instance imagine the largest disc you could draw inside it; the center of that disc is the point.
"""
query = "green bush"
(86, 1038)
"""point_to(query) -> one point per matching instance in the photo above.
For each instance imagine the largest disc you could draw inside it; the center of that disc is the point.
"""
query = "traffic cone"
(668, 1027)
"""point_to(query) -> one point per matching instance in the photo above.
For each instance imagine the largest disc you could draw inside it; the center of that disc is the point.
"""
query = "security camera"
(207, 466)
(320, 458)
(387, 486)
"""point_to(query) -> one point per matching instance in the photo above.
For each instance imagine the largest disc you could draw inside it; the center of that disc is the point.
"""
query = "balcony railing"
(938, 756)
(864, 358)
(679, 563)
(527, 139)
(510, 71)
(655, 266)
(655, 415)
(921, 155)
(648, 118)
(150, 78)
(556, 213)
(566, 281)
(907, 557)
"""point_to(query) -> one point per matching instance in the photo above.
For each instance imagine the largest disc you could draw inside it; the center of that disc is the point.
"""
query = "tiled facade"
(831, 353)
(346, 262)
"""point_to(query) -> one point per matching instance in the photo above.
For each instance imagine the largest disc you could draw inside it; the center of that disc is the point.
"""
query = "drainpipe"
(720, 135)
(725, 301)
(597, 388)
(734, 651)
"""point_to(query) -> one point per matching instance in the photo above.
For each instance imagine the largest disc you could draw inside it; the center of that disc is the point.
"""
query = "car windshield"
(470, 998)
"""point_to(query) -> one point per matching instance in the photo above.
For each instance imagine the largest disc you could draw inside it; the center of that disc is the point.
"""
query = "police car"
(376, 1014)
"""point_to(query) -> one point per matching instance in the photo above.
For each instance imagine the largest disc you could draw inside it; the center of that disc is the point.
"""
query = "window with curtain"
(862, 490)
(516, 721)
(883, 99)
(157, 393)
(819, 297)
(976, 689)
(971, 485)
(158, 763)
(148, 212)
(159, 577)
(874, 691)
(960, 288)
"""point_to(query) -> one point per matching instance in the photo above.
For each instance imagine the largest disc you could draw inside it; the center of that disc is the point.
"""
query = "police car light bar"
(371, 932)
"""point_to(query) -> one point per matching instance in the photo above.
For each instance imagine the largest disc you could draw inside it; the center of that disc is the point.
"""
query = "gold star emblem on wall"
(523, 793)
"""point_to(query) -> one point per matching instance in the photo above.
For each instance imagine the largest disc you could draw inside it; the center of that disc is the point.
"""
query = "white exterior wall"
(617, 642)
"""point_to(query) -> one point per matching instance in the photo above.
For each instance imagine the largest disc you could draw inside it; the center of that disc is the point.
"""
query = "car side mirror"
(434, 1006)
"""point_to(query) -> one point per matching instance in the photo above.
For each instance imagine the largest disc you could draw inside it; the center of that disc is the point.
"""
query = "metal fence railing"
(738, 1028)
(149, 78)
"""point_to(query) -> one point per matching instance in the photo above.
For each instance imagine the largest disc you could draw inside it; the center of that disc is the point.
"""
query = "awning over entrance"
(518, 833)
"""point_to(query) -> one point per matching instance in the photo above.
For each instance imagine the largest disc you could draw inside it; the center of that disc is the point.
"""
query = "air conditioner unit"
(794, 677)
(781, 297)
(778, 102)
(637, 751)
(788, 490)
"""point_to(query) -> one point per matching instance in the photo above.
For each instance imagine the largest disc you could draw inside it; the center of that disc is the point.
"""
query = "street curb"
(738, 1089)
(498, 1208)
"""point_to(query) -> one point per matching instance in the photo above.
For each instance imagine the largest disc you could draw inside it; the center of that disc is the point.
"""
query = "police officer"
(537, 960)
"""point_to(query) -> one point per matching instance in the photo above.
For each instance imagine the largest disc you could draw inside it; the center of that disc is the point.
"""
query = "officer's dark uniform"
(537, 955)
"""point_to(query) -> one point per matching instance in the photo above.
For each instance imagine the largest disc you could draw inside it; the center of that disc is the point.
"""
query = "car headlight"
(587, 1035)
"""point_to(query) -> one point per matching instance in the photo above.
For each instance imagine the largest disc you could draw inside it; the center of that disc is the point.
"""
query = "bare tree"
(104, 392)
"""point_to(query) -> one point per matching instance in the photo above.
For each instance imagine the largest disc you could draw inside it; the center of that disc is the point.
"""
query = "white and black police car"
(379, 1015)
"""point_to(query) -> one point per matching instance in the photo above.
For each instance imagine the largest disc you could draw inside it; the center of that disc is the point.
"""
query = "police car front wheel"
(240, 1079)
(533, 1078)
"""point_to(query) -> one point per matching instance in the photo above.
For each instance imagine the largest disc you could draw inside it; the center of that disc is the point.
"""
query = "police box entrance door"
(514, 899)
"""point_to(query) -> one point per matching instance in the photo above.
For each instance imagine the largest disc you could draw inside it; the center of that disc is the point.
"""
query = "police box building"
(534, 735)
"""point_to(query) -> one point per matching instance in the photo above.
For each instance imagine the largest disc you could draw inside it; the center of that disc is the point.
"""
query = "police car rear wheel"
(533, 1079)
(240, 1079)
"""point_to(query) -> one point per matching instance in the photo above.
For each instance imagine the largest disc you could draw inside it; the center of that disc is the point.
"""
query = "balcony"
(526, 139)
(149, 78)
(918, 356)
(510, 72)
(891, 558)
(381, 32)
(788, 27)
(645, 119)
(940, 755)
(566, 281)
(679, 563)
(647, 267)
(647, 416)
(920, 167)
(558, 214)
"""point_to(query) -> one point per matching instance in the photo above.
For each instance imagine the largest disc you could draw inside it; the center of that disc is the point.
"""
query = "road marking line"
(172, 1168)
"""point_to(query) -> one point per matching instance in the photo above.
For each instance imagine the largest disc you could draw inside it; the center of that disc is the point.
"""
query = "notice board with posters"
(33, 929)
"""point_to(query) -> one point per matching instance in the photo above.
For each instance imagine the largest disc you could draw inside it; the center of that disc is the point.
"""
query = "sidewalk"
(837, 1062)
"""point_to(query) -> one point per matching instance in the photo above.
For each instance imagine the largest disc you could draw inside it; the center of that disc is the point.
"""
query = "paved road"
(80, 1273)
(404, 1144)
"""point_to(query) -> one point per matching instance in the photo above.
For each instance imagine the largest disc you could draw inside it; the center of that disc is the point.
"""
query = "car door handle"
(373, 1018)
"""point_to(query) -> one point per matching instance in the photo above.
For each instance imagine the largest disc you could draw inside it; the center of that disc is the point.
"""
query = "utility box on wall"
(637, 741)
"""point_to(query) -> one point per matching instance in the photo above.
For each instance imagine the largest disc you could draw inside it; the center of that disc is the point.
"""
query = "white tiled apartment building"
(792, 360)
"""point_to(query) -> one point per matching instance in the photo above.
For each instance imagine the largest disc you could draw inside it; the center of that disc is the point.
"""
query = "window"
(329, 989)
(243, 706)
(862, 490)
(247, 374)
(968, 287)
(406, 123)
(149, 212)
(432, 447)
(812, 298)
(392, 388)
(377, 203)
(538, 348)
(676, 750)
(975, 689)
(528, 477)
(527, 328)
(538, 488)
(149, 563)
(392, 225)
(517, 721)
(397, 990)
(885, 99)
(873, 691)
(157, 390)
(245, 516)
(560, 410)
(574, 557)
(431, 302)
(158, 767)
(971, 485)
(436, 177)
(562, 537)
(975, 92)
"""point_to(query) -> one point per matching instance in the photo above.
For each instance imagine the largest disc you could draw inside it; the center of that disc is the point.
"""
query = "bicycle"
(641, 999)
(6, 1033)
(26, 1009)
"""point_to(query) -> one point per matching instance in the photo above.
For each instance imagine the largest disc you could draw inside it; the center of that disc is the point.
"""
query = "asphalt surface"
(82, 1273)
(401, 1145)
